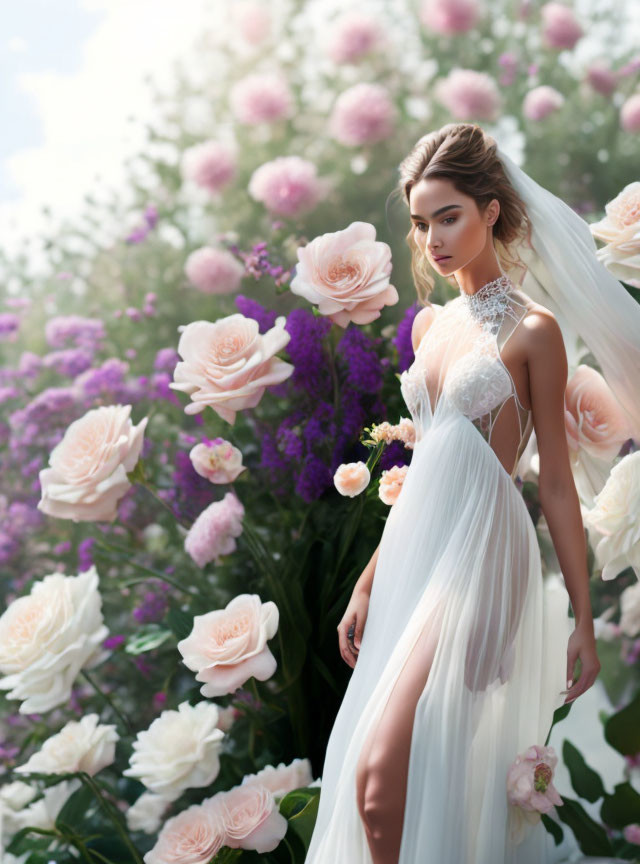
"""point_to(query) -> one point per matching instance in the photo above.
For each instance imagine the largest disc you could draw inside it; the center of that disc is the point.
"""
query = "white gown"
(459, 552)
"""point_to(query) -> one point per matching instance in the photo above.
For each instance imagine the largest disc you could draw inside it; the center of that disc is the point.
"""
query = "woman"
(460, 650)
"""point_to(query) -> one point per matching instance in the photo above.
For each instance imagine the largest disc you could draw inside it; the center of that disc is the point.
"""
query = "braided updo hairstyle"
(466, 155)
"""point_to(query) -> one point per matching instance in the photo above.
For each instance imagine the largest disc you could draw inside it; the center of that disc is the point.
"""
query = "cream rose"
(87, 473)
(228, 364)
(146, 812)
(620, 229)
(79, 746)
(228, 646)
(594, 419)
(218, 461)
(252, 818)
(346, 274)
(351, 478)
(283, 778)
(391, 483)
(180, 750)
(616, 515)
(48, 636)
(192, 837)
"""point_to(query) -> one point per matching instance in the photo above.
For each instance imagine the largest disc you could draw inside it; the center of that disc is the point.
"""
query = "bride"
(460, 649)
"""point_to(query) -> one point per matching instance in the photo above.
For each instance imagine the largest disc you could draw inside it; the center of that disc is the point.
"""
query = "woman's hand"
(582, 644)
(356, 613)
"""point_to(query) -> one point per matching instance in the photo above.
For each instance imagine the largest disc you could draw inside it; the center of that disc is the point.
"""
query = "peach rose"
(620, 229)
(219, 461)
(351, 478)
(616, 515)
(87, 473)
(283, 778)
(194, 836)
(594, 419)
(252, 818)
(405, 431)
(391, 482)
(227, 364)
(228, 646)
(346, 273)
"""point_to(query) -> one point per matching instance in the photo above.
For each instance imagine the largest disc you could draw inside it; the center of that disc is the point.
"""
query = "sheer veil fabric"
(459, 556)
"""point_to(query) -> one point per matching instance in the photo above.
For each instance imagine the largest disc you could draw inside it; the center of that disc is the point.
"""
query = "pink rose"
(391, 482)
(214, 531)
(228, 364)
(529, 780)
(287, 186)
(559, 26)
(449, 17)
(351, 478)
(346, 273)
(252, 818)
(363, 114)
(228, 646)
(219, 463)
(261, 97)
(194, 836)
(468, 94)
(601, 78)
(283, 778)
(211, 165)
(541, 101)
(87, 473)
(214, 271)
(594, 419)
(354, 35)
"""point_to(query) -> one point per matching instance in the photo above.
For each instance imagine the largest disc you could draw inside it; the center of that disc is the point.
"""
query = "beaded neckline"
(490, 299)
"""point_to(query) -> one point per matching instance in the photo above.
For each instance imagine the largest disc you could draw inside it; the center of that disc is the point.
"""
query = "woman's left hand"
(582, 644)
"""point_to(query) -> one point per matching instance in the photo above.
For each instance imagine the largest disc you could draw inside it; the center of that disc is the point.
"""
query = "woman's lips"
(439, 258)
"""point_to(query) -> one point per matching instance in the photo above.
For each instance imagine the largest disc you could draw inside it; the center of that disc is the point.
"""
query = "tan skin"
(536, 358)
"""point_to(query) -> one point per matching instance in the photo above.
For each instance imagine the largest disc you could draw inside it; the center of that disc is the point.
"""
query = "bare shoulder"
(422, 322)
(540, 333)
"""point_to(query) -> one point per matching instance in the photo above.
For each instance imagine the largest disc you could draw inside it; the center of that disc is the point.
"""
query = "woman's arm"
(547, 364)
(365, 581)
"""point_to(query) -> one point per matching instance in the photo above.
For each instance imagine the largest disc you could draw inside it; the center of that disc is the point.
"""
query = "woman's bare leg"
(381, 774)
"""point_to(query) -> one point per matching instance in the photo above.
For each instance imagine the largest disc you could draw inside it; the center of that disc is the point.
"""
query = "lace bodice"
(458, 367)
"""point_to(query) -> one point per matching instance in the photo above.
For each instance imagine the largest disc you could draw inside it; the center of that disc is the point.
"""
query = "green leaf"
(592, 838)
(179, 621)
(147, 638)
(586, 782)
(553, 828)
(622, 808)
(72, 816)
(558, 715)
(622, 730)
(300, 807)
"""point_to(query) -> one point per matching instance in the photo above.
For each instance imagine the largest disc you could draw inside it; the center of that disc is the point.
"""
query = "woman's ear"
(492, 212)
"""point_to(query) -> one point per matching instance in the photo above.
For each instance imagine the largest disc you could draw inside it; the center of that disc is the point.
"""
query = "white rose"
(630, 608)
(48, 636)
(44, 812)
(620, 229)
(178, 751)
(79, 746)
(14, 798)
(146, 813)
(616, 515)
(283, 778)
(87, 473)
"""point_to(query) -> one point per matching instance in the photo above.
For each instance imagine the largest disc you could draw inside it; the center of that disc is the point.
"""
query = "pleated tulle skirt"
(459, 553)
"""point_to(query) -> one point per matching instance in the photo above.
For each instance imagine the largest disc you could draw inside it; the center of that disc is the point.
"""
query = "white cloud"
(84, 117)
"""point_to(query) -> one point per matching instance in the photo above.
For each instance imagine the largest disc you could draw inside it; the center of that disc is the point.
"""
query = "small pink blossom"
(211, 165)
(602, 78)
(468, 94)
(560, 28)
(253, 21)
(354, 35)
(449, 17)
(212, 534)
(261, 97)
(391, 483)
(631, 834)
(228, 646)
(287, 186)
(541, 101)
(214, 271)
(219, 463)
(363, 114)
(630, 114)
(529, 780)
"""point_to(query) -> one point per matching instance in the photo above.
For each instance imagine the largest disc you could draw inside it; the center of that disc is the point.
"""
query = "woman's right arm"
(365, 581)
(356, 613)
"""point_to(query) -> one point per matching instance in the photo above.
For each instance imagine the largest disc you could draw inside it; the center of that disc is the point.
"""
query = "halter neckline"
(499, 286)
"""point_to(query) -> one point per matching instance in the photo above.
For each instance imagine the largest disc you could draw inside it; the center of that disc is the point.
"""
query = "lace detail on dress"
(459, 364)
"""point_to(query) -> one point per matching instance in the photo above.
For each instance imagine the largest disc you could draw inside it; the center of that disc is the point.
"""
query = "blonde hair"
(464, 154)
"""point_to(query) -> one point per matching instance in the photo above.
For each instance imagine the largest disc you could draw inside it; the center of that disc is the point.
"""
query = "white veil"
(565, 275)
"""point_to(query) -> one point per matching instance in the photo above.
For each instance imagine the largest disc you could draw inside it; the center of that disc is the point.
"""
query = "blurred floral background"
(199, 445)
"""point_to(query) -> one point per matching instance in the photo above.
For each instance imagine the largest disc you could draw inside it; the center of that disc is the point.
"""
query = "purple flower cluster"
(402, 340)
(82, 332)
(153, 606)
(166, 360)
(190, 493)
(9, 324)
(257, 263)
(68, 362)
(139, 234)
(17, 520)
(252, 309)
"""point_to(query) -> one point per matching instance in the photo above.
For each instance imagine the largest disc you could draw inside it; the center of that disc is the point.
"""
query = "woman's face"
(448, 223)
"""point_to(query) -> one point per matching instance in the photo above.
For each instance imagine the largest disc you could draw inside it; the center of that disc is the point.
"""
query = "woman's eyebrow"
(439, 211)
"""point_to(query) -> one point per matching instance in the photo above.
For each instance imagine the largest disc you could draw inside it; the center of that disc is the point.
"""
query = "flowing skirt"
(458, 553)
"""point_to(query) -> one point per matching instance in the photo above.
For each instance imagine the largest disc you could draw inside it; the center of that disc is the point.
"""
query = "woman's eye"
(446, 219)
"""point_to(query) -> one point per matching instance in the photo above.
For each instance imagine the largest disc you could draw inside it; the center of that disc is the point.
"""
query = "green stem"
(153, 574)
(109, 809)
(107, 698)
(152, 492)
(288, 845)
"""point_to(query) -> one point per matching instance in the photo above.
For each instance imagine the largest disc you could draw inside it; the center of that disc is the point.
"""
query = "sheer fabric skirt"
(458, 553)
